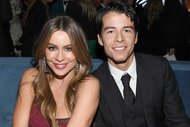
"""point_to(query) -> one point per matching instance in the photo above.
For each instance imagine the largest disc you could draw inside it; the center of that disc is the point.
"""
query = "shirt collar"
(117, 74)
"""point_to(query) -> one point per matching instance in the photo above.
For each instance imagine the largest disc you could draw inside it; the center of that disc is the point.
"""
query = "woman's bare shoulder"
(29, 75)
(90, 83)
(26, 84)
(91, 80)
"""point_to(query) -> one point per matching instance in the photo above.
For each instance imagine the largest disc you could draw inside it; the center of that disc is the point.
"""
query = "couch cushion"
(11, 70)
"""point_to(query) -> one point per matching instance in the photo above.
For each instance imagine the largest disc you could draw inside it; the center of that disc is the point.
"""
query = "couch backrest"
(11, 69)
(182, 72)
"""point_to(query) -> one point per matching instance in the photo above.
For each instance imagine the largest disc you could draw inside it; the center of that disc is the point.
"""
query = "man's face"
(118, 38)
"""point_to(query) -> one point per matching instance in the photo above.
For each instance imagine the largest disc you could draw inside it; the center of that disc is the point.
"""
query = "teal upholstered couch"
(11, 70)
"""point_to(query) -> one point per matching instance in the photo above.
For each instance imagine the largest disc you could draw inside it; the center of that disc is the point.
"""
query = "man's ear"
(99, 40)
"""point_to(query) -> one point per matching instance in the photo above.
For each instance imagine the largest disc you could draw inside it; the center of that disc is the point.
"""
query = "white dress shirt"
(117, 74)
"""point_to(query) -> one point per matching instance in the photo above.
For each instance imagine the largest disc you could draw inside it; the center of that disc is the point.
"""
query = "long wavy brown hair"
(30, 4)
(89, 9)
(43, 95)
(153, 11)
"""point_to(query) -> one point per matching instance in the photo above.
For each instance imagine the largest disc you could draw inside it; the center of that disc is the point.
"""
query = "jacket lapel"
(111, 93)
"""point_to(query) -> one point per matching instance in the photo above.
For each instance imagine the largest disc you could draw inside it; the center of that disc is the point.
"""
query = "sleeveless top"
(38, 120)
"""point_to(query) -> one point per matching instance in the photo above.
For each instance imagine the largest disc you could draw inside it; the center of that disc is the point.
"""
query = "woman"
(84, 12)
(59, 91)
(16, 29)
(34, 19)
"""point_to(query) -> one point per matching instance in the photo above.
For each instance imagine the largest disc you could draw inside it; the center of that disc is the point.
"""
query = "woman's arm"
(86, 104)
(24, 100)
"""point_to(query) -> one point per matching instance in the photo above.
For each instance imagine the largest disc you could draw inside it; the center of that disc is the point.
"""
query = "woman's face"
(59, 54)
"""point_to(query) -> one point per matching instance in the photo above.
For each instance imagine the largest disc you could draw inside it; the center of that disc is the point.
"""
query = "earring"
(43, 65)
(76, 68)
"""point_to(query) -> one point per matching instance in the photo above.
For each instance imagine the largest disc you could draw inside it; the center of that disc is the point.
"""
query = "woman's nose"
(60, 56)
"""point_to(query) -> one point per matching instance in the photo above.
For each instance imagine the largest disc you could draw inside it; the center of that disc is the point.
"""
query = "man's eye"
(127, 30)
(131, 30)
(109, 31)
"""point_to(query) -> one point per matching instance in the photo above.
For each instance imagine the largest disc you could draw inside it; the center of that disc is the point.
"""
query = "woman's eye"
(51, 48)
(68, 48)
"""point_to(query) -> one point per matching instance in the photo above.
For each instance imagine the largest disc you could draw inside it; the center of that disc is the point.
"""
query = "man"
(154, 99)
